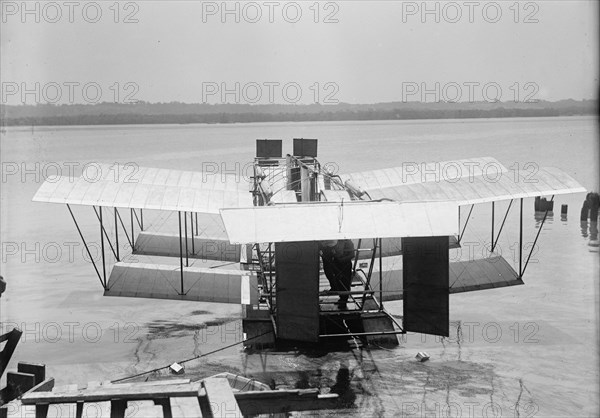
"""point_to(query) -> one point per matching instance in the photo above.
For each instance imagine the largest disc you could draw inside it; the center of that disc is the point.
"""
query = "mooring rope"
(189, 359)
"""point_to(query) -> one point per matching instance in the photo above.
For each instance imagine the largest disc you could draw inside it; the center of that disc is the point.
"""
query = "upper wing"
(148, 188)
(414, 173)
(328, 221)
(199, 180)
(481, 189)
(464, 182)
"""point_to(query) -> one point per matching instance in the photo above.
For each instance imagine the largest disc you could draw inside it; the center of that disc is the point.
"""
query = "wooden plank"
(143, 409)
(112, 392)
(44, 386)
(19, 383)
(65, 388)
(282, 401)
(185, 407)
(96, 409)
(93, 384)
(216, 395)
(59, 409)
(154, 383)
(277, 394)
(117, 408)
(38, 370)
(14, 409)
(221, 399)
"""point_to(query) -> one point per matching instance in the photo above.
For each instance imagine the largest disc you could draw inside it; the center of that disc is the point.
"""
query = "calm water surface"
(525, 351)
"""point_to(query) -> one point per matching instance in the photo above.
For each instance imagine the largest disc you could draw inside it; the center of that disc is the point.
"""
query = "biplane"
(255, 242)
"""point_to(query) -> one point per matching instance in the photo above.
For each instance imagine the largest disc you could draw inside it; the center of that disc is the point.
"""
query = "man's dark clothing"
(337, 264)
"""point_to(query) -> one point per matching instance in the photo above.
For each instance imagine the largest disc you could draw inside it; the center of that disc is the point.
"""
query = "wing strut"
(180, 254)
(87, 248)
(124, 229)
(493, 213)
(187, 261)
(536, 237)
(521, 240)
(102, 245)
(380, 277)
(466, 222)
(192, 228)
(501, 226)
(132, 230)
(103, 232)
(116, 233)
(140, 220)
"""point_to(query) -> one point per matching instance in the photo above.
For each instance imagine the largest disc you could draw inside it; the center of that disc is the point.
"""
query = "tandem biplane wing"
(255, 240)
(138, 189)
(467, 182)
(147, 188)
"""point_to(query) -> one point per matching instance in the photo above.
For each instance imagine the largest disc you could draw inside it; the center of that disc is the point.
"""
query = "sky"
(298, 52)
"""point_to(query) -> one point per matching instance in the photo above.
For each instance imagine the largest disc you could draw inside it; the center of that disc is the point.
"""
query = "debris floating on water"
(176, 368)
(422, 356)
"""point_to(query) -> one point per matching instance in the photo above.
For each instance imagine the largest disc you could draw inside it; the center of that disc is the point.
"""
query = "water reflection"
(590, 207)
(539, 217)
(590, 210)
(342, 386)
(303, 380)
(594, 232)
(584, 228)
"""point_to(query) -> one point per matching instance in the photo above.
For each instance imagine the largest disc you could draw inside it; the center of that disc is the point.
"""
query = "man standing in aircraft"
(337, 264)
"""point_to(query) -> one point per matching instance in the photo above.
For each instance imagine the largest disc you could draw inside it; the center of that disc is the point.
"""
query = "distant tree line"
(109, 114)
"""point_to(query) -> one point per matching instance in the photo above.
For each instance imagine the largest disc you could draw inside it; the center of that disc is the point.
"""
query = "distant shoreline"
(143, 121)
(179, 113)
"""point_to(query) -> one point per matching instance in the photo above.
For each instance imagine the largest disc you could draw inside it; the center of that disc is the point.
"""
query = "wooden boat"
(224, 394)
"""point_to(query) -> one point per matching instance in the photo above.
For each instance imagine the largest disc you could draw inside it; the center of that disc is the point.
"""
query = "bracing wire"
(190, 359)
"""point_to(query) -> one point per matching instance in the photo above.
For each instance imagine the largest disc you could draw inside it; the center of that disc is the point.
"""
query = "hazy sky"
(351, 51)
